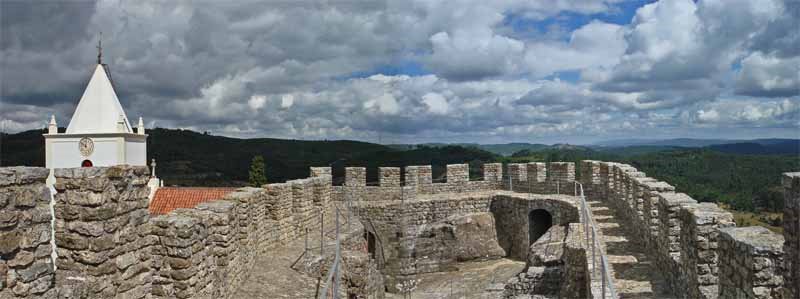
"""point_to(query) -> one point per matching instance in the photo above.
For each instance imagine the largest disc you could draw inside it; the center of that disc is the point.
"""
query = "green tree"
(258, 175)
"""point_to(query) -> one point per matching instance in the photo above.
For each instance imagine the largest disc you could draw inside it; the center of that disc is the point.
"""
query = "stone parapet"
(355, 176)
(561, 172)
(389, 176)
(493, 172)
(791, 232)
(698, 239)
(26, 266)
(751, 260)
(457, 173)
(102, 233)
(668, 250)
(650, 198)
(518, 175)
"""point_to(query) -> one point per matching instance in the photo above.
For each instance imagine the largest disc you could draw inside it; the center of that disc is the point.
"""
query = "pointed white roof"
(99, 110)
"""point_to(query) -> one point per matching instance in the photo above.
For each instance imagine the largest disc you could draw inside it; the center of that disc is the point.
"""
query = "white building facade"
(99, 133)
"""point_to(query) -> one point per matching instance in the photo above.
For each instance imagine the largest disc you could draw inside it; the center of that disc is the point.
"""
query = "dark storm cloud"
(286, 69)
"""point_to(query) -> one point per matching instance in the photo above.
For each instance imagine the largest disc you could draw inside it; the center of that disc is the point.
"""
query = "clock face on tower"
(86, 146)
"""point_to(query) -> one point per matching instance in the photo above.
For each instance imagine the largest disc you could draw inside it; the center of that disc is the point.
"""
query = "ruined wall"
(102, 232)
(513, 211)
(791, 233)
(26, 267)
(416, 235)
(684, 238)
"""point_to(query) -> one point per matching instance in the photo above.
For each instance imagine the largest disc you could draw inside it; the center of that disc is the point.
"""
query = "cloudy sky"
(413, 71)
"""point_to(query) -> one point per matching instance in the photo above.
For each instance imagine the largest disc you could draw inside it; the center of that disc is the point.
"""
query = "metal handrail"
(333, 271)
(590, 226)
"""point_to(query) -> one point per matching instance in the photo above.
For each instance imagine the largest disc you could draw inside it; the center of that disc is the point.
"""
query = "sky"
(416, 71)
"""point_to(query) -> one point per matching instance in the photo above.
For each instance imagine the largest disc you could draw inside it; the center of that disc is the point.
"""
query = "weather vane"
(100, 49)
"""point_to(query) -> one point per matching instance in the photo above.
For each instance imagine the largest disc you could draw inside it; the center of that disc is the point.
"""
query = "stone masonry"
(108, 246)
(26, 267)
(102, 232)
(697, 245)
(753, 261)
(791, 233)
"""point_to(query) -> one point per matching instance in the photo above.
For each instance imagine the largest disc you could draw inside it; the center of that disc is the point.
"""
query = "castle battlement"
(98, 239)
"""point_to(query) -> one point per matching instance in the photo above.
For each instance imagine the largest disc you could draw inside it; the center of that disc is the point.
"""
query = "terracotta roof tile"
(171, 198)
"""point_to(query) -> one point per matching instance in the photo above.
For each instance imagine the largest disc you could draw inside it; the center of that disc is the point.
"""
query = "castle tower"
(99, 133)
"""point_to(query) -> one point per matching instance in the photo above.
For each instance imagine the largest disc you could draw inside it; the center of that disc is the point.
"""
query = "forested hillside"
(743, 182)
(190, 158)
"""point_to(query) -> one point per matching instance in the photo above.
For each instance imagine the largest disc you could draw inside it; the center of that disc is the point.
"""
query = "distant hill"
(680, 142)
(781, 147)
(769, 146)
(195, 159)
(503, 149)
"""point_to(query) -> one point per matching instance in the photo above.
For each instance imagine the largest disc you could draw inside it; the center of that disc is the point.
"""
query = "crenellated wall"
(108, 246)
(696, 244)
(531, 177)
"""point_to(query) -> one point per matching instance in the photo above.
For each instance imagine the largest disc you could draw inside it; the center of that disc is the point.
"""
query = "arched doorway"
(86, 163)
(539, 221)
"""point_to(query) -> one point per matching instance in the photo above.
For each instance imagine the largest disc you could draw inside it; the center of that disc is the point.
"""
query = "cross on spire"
(100, 49)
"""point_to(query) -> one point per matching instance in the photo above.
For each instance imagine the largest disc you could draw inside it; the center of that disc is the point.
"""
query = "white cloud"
(257, 101)
(437, 104)
(596, 44)
(297, 69)
(770, 76)
(287, 101)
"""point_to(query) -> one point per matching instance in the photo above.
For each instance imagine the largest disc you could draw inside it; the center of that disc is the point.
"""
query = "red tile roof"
(170, 198)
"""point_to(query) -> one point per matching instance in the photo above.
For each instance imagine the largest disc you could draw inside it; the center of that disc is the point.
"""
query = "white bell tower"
(99, 133)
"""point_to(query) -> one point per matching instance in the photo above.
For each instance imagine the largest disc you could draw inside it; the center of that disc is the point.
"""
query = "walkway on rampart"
(272, 275)
(635, 274)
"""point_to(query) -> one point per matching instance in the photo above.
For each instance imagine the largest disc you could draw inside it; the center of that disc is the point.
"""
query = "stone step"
(622, 259)
(601, 218)
(603, 225)
(610, 239)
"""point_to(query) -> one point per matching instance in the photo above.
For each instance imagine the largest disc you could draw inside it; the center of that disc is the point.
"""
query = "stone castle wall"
(751, 263)
(108, 246)
(696, 244)
(791, 233)
(26, 266)
(410, 232)
(102, 232)
(418, 180)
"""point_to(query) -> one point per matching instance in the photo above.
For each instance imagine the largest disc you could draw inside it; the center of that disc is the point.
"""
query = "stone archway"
(539, 221)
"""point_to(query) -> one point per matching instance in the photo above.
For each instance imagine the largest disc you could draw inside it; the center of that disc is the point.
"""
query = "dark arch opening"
(86, 163)
(539, 221)
(371, 245)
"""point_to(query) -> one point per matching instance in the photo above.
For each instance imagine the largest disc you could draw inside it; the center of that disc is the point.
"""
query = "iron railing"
(590, 229)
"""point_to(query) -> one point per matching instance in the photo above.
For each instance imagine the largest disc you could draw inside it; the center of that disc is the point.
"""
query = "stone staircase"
(635, 274)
